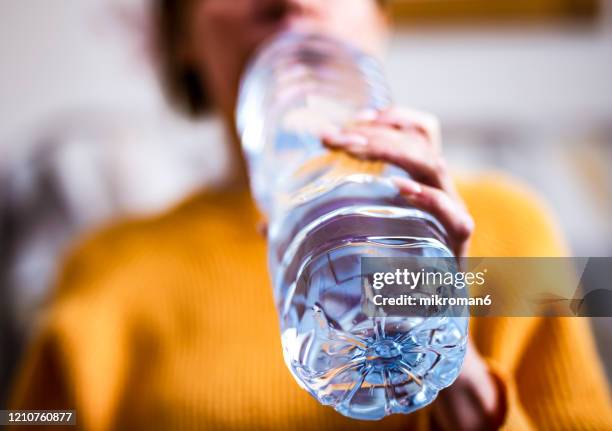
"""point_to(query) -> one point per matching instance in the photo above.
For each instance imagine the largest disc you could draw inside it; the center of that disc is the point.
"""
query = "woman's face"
(222, 34)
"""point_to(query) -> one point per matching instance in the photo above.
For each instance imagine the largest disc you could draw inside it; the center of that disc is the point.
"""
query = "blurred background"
(86, 136)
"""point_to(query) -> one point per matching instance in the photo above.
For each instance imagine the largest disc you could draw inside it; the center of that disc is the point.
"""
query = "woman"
(168, 323)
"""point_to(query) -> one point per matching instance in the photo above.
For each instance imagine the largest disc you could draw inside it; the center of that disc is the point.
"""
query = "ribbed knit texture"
(169, 324)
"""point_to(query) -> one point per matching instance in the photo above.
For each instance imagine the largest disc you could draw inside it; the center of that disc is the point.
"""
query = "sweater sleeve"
(560, 379)
(558, 382)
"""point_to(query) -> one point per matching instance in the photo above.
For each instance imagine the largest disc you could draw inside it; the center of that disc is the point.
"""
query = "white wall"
(62, 55)
(67, 54)
(554, 77)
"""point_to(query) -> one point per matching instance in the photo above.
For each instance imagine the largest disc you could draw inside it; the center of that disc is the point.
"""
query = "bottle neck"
(298, 87)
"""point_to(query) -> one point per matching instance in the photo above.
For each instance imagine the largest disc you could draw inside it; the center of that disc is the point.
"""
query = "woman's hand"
(411, 140)
(474, 402)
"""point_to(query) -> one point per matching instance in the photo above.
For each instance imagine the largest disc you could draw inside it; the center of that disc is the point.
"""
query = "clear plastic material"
(325, 211)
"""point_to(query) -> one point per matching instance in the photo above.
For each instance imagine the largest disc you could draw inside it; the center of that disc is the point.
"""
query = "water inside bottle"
(365, 367)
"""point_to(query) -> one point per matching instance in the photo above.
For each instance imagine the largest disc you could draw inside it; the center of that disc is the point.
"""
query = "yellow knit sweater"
(169, 324)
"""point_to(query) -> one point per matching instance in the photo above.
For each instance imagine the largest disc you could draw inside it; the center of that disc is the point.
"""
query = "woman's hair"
(181, 81)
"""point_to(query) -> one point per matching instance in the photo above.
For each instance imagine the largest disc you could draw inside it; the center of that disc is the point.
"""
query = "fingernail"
(346, 139)
(408, 187)
(330, 130)
(367, 115)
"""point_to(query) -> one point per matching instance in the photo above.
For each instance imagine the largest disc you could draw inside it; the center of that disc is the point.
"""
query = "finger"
(450, 410)
(405, 150)
(476, 371)
(457, 408)
(409, 119)
(451, 213)
(262, 228)
(405, 119)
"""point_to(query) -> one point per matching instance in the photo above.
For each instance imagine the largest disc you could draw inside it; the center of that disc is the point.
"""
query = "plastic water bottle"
(325, 211)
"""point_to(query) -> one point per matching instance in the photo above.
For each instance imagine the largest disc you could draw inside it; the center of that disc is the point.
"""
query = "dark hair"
(181, 81)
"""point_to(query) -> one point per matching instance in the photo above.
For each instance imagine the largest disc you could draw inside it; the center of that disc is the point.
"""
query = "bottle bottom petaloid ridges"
(365, 367)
